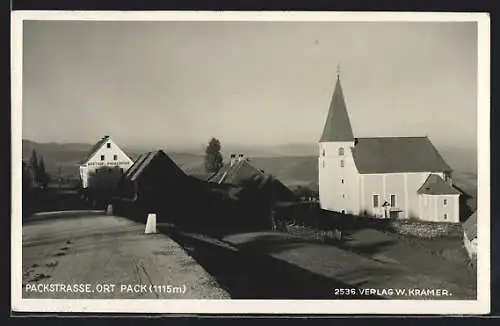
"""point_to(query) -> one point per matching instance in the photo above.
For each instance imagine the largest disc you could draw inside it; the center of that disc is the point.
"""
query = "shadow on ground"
(249, 275)
(275, 242)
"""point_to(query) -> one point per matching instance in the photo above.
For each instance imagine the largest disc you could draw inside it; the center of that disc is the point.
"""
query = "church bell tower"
(338, 176)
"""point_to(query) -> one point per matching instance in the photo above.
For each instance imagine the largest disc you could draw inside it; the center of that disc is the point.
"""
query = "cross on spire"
(338, 71)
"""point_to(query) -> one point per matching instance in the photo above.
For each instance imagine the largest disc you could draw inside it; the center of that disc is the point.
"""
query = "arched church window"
(341, 151)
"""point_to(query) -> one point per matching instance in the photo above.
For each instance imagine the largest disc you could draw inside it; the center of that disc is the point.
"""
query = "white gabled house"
(105, 153)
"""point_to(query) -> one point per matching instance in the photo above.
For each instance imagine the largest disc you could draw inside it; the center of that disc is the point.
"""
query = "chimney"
(240, 157)
(232, 160)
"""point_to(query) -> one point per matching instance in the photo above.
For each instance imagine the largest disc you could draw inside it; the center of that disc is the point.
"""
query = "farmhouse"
(385, 177)
(241, 173)
(105, 153)
(249, 194)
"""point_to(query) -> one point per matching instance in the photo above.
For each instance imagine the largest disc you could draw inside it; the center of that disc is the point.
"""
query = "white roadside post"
(150, 224)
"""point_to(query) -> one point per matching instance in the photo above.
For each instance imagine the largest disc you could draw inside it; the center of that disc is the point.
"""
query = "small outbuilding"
(470, 237)
(154, 183)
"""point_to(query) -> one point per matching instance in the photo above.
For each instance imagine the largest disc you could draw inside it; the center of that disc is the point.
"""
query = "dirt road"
(91, 255)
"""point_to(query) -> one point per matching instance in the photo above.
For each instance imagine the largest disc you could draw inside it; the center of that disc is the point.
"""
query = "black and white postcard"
(250, 162)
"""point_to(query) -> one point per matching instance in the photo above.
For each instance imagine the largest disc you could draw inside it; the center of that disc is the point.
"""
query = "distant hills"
(294, 164)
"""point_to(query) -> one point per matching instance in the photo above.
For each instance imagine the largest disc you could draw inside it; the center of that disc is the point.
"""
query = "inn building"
(105, 153)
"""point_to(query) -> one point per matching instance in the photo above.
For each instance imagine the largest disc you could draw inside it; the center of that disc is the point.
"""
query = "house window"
(393, 200)
(108, 145)
(445, 216)
(342, 180)
(375, 201)
(341, 151)
(445, 202)
(115, 157)
(102, 157)
(323, 152)
(323, 163)
(343, 195)
(341, 163)
(343, 211)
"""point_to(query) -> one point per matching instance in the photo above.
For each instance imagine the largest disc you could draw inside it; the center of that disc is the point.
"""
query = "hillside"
(65, 158)
(292, 164)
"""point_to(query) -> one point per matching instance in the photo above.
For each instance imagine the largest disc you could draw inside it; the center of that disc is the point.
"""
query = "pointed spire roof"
(337, 126)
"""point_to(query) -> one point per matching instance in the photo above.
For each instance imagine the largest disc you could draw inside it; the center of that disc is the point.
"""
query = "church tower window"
(341, 151)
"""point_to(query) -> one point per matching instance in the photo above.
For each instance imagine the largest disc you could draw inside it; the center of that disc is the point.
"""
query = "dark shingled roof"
(144, 160)
(243, 171)
(237, 174)
(470, 226)
(397, 154)
(435, 185)
(337, 125)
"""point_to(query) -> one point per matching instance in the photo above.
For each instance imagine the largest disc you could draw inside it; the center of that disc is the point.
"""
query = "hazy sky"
(175, 84)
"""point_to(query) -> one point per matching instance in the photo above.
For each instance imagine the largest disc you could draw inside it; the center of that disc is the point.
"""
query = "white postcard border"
(396, 307)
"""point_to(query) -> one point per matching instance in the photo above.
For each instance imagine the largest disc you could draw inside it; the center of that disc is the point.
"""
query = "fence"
(307, 220)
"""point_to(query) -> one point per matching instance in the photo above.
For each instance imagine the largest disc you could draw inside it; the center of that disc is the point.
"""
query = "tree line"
(39, 173)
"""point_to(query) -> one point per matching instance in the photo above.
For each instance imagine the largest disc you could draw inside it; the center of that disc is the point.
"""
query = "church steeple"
(337, 126)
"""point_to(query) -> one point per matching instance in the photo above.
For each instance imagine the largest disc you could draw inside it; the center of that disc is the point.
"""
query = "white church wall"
(414, 182)
(447, 209)
(373, 185)
(395, 186)
(428, 212)
(338, 178)
(404, 186)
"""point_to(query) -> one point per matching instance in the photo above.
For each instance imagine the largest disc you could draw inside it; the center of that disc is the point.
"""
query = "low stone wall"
(426, 230)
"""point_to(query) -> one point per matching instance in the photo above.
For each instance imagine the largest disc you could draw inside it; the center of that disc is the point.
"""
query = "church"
(382, 177)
